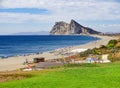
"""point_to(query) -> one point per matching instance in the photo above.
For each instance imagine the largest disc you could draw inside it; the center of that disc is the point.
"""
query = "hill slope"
(72, 28)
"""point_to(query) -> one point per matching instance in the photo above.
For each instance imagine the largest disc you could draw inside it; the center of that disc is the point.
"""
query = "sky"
(40, 15)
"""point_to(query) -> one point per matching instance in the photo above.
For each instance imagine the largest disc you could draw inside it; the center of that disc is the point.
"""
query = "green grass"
(84, 76)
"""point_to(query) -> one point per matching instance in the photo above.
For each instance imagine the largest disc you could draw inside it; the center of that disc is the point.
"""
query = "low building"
(40, 59)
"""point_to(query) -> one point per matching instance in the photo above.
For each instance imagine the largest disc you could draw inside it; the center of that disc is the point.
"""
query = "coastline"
(16, 62)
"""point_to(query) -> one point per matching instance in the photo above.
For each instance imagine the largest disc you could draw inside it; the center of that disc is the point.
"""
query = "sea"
(19, 45)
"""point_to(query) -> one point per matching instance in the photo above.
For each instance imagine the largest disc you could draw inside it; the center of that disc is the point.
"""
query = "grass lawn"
(83, 76)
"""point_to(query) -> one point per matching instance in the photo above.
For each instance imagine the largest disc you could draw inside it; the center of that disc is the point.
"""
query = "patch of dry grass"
(8, 76)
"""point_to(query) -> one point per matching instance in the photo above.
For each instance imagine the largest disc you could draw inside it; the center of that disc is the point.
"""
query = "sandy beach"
(16, 62)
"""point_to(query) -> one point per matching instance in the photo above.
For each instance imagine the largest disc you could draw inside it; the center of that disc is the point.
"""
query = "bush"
(113, 58)
(111, 44)
(102, 47)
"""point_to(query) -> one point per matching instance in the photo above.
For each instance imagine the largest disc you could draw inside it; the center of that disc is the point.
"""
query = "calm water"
(19, 45)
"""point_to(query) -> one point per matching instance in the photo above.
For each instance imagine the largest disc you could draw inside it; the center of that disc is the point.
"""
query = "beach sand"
(16, 62)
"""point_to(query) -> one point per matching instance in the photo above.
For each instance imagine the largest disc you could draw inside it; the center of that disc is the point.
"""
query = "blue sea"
(19, 45)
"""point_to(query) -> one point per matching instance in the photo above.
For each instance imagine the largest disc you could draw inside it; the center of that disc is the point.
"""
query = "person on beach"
(26, 61)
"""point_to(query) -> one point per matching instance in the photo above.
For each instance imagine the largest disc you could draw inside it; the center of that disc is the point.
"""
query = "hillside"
(63, 28)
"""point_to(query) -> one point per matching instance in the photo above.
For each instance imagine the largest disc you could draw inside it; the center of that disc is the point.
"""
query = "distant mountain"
(63, 28)
(32, 33)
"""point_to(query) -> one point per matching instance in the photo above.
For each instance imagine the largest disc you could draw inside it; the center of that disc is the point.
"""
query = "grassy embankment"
(79, 76)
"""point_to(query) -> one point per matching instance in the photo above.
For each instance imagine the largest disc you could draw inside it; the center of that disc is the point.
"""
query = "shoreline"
(16, 62)
(2, 56)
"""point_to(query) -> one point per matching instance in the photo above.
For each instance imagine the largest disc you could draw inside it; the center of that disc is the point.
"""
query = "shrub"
(102, 47)
(111, 44)
(113, 57)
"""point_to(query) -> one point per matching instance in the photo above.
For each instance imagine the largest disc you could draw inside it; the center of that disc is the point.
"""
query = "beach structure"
(92, 59)
(105, 59)
(40, 59)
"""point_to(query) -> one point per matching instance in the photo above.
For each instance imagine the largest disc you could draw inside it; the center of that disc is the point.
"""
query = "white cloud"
(67, 9)
(61, 10)
(21, 3)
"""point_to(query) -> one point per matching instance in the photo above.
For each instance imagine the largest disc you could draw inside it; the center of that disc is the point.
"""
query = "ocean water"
(19, 45)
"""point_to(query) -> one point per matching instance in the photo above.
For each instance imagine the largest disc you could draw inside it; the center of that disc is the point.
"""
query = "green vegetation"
(112, 48)
(111, 44)
(83, 76)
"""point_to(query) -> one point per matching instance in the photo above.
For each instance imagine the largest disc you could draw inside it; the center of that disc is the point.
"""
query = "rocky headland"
(63, 28)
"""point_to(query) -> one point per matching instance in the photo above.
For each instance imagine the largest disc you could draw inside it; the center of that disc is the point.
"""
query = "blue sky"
(41, 15)
(25, 10)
